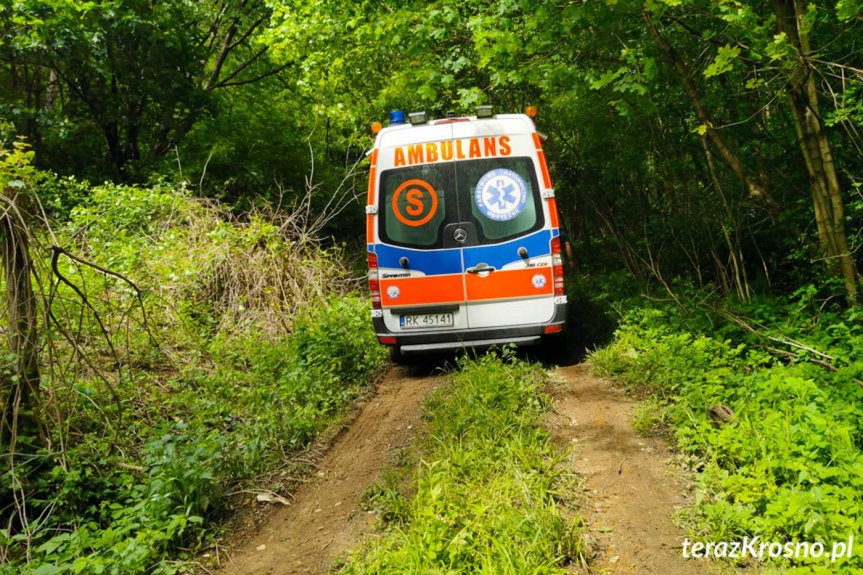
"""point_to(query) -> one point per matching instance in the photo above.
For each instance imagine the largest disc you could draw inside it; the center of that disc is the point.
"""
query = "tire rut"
(631, 490)
(324, 519)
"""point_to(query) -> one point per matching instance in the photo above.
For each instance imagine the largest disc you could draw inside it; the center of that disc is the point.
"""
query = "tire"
(397, 357)
(558, 349)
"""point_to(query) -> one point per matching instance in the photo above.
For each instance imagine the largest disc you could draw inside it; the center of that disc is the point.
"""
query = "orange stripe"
(370, 200)
(508, 284)
(552, 209)
(373, 169)
(537, 141)
(423, 290)
(546, 179)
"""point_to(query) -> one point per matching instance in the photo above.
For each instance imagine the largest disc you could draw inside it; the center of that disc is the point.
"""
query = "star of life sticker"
(501, 194)
(538, 281)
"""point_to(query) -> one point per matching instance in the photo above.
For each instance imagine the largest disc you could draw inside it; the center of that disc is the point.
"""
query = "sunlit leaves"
(849, 9)
(779, 48)
(724, 61)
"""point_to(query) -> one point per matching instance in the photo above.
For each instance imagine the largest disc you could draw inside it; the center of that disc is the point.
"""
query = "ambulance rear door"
(418, 234)
(508, 263)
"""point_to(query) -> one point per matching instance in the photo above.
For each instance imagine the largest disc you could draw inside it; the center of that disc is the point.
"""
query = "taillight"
(374, 283)
(557, 272)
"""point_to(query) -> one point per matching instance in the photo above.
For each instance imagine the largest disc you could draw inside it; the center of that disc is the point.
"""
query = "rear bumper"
(444, 340)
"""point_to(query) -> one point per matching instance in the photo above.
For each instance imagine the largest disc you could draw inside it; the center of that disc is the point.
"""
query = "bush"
(228, 345)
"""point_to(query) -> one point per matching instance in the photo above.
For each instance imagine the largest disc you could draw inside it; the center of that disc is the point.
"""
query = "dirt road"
(324, 519)
(630, 491)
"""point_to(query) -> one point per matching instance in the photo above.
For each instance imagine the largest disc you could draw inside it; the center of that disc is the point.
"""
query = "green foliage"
(106, 88)
(633, 165)
(723, 62)
(649, 416)
(208, 377)
(15, 165)
(788, 463)
(484, 492)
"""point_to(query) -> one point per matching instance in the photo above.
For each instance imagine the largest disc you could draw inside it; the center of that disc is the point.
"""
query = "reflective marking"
(421, 203)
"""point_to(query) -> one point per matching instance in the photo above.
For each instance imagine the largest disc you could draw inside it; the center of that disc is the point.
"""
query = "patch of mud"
(324, 519)
(631, 489)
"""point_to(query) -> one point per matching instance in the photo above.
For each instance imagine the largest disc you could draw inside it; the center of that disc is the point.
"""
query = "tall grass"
(484, 494)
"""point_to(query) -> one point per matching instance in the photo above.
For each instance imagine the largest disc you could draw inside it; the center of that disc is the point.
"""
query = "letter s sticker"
(414, 198)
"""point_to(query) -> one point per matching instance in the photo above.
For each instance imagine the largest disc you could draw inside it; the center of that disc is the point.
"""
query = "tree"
(793, 23)
(19, 382)
(140, 72)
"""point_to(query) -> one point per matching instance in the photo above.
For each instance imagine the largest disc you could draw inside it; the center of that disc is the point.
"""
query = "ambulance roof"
(454, 128)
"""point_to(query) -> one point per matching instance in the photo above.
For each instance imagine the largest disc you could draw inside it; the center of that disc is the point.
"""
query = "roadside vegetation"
(765, 401)
(484, 491)
(181, 211)
(195, 354)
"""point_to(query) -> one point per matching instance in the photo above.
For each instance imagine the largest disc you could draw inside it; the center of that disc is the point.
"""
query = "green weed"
(484, 488)
(649, 416)
(240, 347)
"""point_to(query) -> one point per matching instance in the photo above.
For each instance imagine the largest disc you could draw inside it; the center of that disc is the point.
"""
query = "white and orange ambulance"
(462, 232)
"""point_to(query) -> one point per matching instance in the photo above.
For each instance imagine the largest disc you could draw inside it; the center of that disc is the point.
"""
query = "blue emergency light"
(397, 117)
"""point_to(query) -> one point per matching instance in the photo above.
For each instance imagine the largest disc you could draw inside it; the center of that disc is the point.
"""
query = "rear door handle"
(481, 267)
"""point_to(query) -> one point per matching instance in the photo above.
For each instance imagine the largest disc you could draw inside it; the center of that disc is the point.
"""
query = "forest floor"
(630, 487)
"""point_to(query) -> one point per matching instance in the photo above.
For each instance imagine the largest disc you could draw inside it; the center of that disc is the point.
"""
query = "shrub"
(227, 345)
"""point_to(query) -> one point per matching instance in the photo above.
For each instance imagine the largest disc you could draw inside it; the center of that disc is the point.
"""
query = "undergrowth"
(765, 401)
(483, 495)
(216, 349)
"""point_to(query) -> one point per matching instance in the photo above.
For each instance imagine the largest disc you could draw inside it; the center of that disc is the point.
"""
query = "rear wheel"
(559, 348)
(397, 357)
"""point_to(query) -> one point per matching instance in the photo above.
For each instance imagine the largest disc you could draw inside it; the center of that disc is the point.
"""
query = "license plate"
(427, 320)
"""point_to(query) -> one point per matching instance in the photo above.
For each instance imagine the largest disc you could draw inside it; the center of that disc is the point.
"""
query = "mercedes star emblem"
(459, 235)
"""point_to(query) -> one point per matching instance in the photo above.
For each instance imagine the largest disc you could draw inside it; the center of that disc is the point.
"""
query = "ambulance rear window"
(503, 196)
(497, 197)
(415, 204)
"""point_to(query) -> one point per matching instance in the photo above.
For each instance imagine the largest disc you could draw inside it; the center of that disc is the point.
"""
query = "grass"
(483, 493)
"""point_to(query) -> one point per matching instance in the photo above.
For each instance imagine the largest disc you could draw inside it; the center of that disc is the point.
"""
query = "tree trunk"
(824, 184)
(20, 391)
(735, 251)
(731, 159)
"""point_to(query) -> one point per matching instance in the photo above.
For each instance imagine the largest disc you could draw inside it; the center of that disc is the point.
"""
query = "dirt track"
(324, 519)
(630, 489)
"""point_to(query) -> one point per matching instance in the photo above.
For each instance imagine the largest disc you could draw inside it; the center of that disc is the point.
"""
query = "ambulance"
(464, 248)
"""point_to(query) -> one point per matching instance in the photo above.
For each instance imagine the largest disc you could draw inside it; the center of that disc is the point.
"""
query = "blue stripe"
(430, 262)
(498, 255)
(448, 261)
